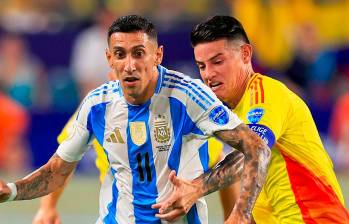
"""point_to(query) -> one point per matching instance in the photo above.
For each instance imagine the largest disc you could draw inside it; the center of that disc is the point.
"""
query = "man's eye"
(139, 54)
(201, 67)
(119, 54)
(218, 62)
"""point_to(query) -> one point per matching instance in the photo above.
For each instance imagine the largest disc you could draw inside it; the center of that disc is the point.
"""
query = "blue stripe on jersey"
(204, 156)
(110, 218)
(186, 92)
(142, 165)
(192, 216)
(194, 84)
(170, 81)
(113, 90)
(96, 121)
(182, 125)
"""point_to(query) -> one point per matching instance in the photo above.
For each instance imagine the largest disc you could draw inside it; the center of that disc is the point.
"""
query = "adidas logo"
(116, 137)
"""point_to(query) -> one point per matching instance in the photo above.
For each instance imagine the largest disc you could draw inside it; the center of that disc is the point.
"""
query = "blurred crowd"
(52, 54)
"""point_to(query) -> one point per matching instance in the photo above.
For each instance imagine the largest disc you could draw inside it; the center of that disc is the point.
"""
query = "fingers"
(166, 205)
(4, 191)
(156, 206)
(172, 177)
(172, 215)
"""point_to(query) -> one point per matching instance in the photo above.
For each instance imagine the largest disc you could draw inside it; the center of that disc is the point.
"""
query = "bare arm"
(43, 181)
(252, 166)
(256, 160)
(51, 199)
(47, 212)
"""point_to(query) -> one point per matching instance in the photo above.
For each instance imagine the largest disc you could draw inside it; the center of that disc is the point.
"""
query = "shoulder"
(105, 93)
(263, 89)
(188, 87)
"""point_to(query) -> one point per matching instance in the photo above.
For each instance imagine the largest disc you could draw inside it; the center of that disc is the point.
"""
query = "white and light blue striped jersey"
(145, 142)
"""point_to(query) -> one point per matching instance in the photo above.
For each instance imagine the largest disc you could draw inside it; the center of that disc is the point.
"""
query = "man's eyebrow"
(210, 59)
(122, 48)
(138, 46)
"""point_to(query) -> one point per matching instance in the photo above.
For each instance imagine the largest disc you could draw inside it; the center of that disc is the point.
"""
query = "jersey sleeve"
(209, 113)
(268, 110)
(78, 137)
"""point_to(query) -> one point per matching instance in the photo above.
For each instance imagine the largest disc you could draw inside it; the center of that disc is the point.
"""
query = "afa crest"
(161, 130)
(138, 132)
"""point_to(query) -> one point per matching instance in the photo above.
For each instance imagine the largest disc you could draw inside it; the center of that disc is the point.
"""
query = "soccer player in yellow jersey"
(301, 186)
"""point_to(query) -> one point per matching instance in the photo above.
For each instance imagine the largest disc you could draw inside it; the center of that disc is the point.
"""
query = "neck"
(240, 89)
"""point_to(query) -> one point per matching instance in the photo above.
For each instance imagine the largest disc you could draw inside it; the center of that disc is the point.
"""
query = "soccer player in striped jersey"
(301, 186)
(47, 212)
(152, 122)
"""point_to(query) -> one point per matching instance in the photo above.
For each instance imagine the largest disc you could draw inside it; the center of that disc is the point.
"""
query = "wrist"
(198, 188)
(13, 193)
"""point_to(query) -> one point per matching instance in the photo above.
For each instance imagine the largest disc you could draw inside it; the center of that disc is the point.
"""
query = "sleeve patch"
(264, 132)
(255, 115)
(219, 115)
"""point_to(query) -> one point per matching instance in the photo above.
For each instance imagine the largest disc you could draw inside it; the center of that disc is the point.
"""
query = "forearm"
(252, 180)
(256, 161)
(225, 173)
(51, 199)
(45, 179)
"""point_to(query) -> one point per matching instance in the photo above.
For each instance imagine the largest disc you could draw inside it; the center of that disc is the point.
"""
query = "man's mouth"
(214, 85)
(130, 79)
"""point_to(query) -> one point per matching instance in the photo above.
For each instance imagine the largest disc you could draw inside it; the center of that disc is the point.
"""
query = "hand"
(184, 195)
(47, 215)
(5, 191)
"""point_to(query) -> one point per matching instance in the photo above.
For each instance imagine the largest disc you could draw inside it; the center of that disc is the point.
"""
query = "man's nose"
(209, 73)
(130, 65)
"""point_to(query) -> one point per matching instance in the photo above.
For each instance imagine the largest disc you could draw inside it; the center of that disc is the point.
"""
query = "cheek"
(119, 66)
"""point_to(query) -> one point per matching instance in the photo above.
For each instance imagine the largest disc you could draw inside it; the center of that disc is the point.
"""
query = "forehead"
(207, 50)
(120, 39)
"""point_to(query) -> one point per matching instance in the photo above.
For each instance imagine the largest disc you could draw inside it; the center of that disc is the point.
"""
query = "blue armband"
(264, 132)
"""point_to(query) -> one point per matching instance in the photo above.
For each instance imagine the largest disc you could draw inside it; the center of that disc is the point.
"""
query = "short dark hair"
(133, 23)
(218, 27)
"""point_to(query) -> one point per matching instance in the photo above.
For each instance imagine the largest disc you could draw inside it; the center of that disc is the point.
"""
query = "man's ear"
(109, 58)
(159, 55)
(246, 53)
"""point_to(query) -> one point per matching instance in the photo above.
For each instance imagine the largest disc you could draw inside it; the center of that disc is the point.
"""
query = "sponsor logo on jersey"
(255, 115)
(138, 132)
(219, 115)
(161, 130)
(115, 137)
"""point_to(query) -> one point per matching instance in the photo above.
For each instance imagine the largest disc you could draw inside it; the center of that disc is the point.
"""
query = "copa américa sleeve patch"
(255, 115)
(264, 132)
(219, 115)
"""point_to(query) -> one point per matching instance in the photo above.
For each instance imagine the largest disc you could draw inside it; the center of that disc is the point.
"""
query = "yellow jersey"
(301, 186)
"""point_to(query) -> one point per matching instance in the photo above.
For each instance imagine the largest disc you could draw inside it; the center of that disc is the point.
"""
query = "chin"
(220, 95)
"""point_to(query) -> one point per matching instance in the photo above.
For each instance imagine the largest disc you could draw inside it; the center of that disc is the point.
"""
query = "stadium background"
(304, 43)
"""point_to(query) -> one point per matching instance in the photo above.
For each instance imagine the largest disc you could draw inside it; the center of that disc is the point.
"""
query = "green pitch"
(79, 204)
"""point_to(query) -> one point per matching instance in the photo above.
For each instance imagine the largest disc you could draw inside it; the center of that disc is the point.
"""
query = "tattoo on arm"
(45, 179)
(253, 168)
(226, 172)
